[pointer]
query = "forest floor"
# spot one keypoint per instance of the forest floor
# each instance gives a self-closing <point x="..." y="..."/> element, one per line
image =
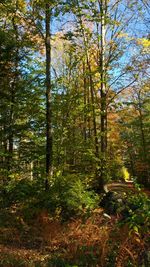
<point x="92" y="240"/>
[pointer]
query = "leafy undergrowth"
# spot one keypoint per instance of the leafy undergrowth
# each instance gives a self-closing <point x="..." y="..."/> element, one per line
<point x="94" y="241"/>
<point x="63" y="227"/>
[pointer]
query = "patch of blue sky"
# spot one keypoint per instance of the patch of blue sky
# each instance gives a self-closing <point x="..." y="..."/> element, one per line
<point x="134" y="27"/>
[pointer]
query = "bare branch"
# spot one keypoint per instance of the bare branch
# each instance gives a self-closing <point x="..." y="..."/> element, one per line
<point x="121" y="90"/>
<point x="122" y="74"/>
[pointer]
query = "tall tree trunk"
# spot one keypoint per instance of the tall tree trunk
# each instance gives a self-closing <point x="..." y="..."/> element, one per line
<point x="103" y="116"/>
<point x="89" y="118"/>
<point x="143" y="143"/>
<point x="13" y="89"/>
<point x="48" y="97"/>
<point x="91" y="84"/>
<point x="85" y="104"/>
<point x="11" y="126"/>
<point x="93" y="109"/>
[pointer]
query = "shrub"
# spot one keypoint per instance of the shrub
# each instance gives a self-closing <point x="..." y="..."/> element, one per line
<point x="138" y="207"/>
<point x="19" y="191"/>
<point x="73" y="197"/>
<point x="139" y="218"/>
<point x="67" y="196"/>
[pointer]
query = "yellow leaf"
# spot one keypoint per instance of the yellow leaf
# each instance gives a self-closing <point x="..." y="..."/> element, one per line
<point x="144" y="42"/>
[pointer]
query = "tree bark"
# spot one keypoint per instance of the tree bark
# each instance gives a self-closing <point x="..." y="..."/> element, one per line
<point x="48" y="97"/>
<point x="13" y="90"/>
<point x="93" y="110"/>
<point x="85" y="104"/>
<point x="91" y="85"/>
<point x="103" y="114"/>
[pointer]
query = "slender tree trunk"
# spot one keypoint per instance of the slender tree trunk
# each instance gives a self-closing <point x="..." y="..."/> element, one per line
<point x="48" y="98"/>
<point x="85" y="104"/>
<point x="143" y="142"/>
<point x="13" y="89"/>
<point x="89" y="118"/>
<point x="91" y="85"/>
<point x="93" y="110"/>
<point x="11" y="127"/>
<point x="5" y="149"/>
<point x="103" y="116"/>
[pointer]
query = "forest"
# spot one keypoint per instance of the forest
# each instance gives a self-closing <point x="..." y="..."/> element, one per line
<point x="74" y="133"/>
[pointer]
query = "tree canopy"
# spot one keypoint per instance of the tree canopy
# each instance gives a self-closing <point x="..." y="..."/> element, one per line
<point x="74" y="89"/>
<point x="75" y="132"/>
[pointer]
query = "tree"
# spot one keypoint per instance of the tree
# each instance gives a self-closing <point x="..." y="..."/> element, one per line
<point x="21" y="95"/>
<point x="108" y="24"/>
<point x="48" y="95"/>
<point x="135" y="132"/>
<point x="76" y="79"/>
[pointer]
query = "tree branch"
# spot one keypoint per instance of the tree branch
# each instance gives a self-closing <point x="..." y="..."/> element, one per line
<point x="121" y="90"/>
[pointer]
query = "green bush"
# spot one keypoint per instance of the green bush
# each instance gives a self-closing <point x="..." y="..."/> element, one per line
<point x="72" y="195"/>
<point x="67" y="196"/>
<point x="18" y="191"/>
<point x="139" y="210"/>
